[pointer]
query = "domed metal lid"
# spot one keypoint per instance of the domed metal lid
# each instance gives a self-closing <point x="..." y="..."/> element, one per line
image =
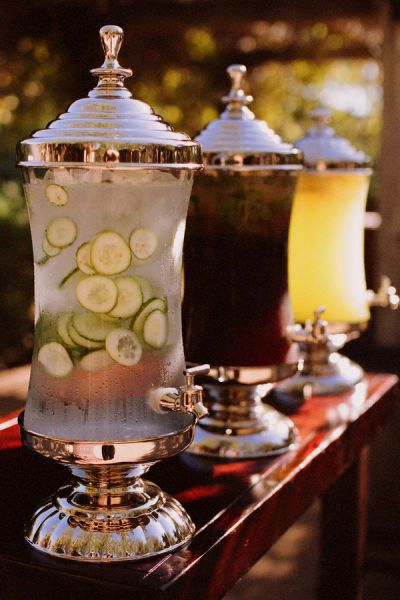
<point x="238" y="138"/>
<point x="109" y="126"/>
<point x="323" y="149"/>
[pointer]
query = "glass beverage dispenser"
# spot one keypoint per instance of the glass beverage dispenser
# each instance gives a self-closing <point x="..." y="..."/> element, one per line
<point x="107" y="186"/>
<point x="235" y="308"/>
<point x="326" y="261"/>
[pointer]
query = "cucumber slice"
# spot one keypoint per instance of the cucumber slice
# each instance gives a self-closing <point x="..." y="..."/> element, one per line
<point x="110" y="254"/>
<point x="80" y="340"/>
<point x="114" y="320"/>
<point x="56" y="194"/>
<point x="147" y="291"/>
<point x="96" y="361"/>
<point x="97" y="293"/>
<point x="155" y="329"/>
<point x="143" y="243"/>
<point x="68" y="277"/>
<point x="62" y="329"/>
<point x="91" y="326"/>
<point x="49" y="249"/>
<point x="83" y="259"/>
<point x="130" y="297"/>
<point x="147" y="308"/>
<point x="61" y="232"/>
<point x="55" y="359"/>
<point x="124" y="347"/>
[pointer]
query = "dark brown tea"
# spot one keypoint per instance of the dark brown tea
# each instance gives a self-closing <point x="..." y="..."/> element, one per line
<point x="236" y="307"/>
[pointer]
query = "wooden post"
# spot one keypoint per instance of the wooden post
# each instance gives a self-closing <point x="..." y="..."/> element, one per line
<point x="388" y="322"/>
<point x="343" y="534"/>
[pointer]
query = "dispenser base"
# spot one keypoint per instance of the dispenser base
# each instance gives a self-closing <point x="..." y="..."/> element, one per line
<point x="132" y="524"/>
<point x="339" y="375"/>
<point x="276" y="434"/>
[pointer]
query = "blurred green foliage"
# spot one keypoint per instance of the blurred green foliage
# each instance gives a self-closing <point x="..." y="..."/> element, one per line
<point x="40" y="75"/>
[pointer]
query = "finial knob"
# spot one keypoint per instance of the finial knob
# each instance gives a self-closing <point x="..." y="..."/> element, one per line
<point x="237" y="74"/>
<point x="236" y="99"/>
<point x="321" y="116"/>
<point x="111" y="39"/>
<point x="111" y="74"/>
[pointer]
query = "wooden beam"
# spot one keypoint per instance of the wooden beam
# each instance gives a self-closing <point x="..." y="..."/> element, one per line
<point x="387" y="321"/>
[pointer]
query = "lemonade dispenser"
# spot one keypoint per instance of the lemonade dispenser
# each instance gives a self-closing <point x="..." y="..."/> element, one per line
<point x="236" y="306"/>
<point x="107" y="186"/>
<point x="327" y="284"/>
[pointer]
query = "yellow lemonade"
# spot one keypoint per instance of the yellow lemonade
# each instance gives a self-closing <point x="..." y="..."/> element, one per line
<point x="326" y="247"/>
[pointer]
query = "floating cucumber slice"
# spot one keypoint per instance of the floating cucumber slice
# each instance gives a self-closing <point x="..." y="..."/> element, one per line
<point x="61" y="232"/>
<point x="49" y="249"/>
<point x="83" y="259"/>
<point x="114" y="320"/>
<point x="55" y="359"/>
<point x="97" y="360"/>
<point x="56" y="194"/>
<point x="62" y="329"/>
<point x="143" y="243"/>
<point x="68" y="277"/>
<point x="130" y="297"/>
<point x="80" y="340"/>
<point x="110" y="254"/>
<point x="155" y="329"/>
<point x="147" y="308"/>
<point x="91" y="326"/>
<point x="147" y="291"/>
<point x="124" y="347"/>
<point x="97" y="293"/>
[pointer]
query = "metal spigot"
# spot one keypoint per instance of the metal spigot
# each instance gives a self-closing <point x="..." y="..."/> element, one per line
<point x="314" y="331"/>
<point x="386" y="296"/>
<point x="189" y="397"/>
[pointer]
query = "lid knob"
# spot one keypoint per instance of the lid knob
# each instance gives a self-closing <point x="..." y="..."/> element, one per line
<point x="111" y="74"/>
<point x="237" y="100"/>
<point x="321" y="116"/>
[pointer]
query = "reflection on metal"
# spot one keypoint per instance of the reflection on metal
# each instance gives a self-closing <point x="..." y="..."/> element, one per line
<point x="239" y="424"/>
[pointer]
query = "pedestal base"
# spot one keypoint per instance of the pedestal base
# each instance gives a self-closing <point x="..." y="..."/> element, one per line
<point x="277" y="434"/>
<point x="106" y="525"/>
<point x="109" y="513"/>
<point x="338" y="375"/>
<point x="239" y="425"/>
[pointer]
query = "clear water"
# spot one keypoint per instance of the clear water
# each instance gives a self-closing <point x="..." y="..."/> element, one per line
<point x="110" y="403"/>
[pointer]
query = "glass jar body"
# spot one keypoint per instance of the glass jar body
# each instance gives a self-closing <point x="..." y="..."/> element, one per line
<point x="107" y="249"/>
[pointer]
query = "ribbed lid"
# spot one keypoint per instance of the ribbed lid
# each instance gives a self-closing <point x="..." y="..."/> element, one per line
<point x="238" y="138"/>
<point x="323" y="149"/>
<point x="109" y="126"/>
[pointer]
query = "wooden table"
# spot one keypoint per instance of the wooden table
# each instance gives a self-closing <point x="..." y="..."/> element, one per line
<point x="240" y="510"/>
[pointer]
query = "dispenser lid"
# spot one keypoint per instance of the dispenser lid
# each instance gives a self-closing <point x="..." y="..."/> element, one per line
<point x="323" y="149"/>
<point x="238" y="138"/>
<point x="110" y="127"/>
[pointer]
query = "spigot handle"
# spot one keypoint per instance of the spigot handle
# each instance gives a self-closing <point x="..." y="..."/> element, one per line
<point x="386" y="296"/>
<point x="319" y="325"/>
<point x="193" y="372"/>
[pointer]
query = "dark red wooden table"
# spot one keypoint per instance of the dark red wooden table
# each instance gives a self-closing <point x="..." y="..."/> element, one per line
<point x="240" y="510"/>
